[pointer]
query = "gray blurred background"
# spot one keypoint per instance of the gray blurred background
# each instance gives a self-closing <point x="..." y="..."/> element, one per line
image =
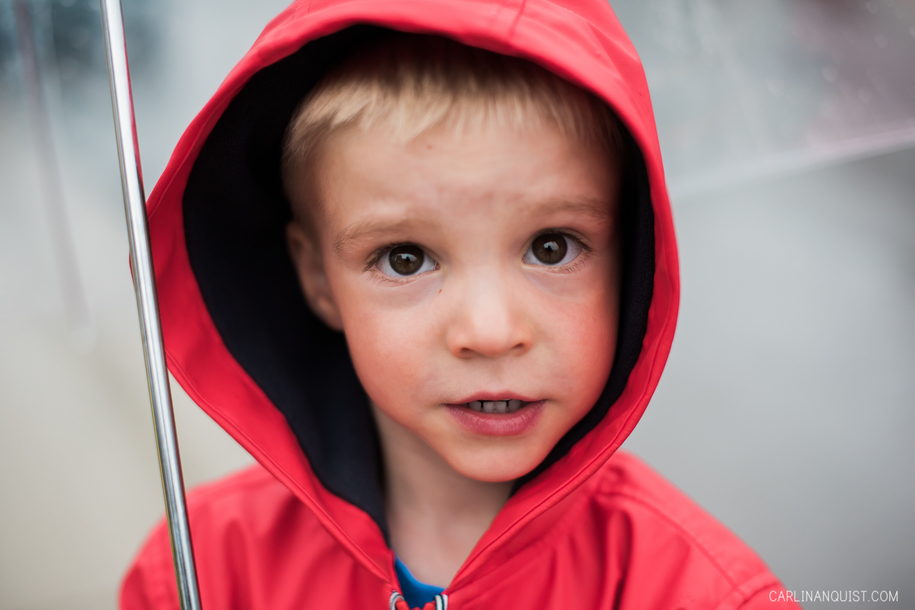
<point x="788" y="405"/>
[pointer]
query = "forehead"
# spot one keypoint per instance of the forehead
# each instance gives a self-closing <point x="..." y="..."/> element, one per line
<point x="460" y="179"/>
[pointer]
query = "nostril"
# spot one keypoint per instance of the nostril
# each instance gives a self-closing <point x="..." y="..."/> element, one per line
<point x="489" y="324"/>
<point x="467" y="347"/>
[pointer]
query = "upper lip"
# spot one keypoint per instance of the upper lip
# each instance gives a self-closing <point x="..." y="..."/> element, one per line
<point x="494" y="396"/>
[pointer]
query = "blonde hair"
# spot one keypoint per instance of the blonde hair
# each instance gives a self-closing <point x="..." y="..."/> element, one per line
<point x="410" y="83"/>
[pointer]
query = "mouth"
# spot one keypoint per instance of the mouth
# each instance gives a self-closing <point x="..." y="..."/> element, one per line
<point x="503" y="417"/>
<point x="508" y="405"/>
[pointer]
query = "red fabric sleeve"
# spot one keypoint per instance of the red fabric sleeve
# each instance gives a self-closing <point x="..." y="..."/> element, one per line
<point x="150" y="581"/>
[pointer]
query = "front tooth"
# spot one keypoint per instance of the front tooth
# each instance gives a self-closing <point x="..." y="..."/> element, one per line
<point x="489" y="406"/>
<point x="513" y="405"/>
<point x="501" y="406"/>
<point x="476" y="405"/>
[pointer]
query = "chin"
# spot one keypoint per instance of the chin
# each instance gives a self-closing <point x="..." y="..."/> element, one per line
<point x="495" y="466"/>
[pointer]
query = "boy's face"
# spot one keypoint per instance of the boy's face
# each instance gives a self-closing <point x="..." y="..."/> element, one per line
<point x="467" y="269"/>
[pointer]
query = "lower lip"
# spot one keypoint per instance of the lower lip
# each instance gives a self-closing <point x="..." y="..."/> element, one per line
<point x="498" y="424"/>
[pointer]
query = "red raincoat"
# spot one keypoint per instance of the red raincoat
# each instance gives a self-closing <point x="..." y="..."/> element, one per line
<point x="590" y="528"/>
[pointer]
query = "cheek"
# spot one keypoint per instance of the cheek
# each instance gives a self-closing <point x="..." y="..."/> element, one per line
<point x="389" y="346"/>
<point x="584" y="340"/>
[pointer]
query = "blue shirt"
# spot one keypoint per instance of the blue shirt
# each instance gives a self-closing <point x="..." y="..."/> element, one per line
<point x="417" y="594"/>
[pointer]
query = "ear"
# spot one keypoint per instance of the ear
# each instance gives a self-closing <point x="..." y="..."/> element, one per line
<point x="306" y="256"/>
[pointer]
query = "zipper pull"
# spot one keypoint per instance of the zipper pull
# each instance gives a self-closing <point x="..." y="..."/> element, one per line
<point x="441" y="601"/>
<point x="395" y="597"/>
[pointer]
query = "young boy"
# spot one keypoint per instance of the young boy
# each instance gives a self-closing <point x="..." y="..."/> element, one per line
<point x="429" y="281"/>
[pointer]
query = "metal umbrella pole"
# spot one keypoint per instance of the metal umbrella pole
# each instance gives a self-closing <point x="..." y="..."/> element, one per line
<point x="145" y="285"/>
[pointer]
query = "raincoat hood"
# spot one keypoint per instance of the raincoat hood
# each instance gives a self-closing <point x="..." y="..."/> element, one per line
<point x="244" y="345"/>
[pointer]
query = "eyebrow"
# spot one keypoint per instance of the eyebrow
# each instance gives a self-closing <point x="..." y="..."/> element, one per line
<point x="599" y="210"/>
<point x="366" y="228"/>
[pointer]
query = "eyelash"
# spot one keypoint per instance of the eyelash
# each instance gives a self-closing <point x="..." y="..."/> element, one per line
<point x="571" y="267"/>
<point x="586" y="250"/>
<point x="375" y="257"/>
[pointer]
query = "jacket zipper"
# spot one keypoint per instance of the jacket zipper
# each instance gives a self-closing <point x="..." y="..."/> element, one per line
<point x="441" y="601"/>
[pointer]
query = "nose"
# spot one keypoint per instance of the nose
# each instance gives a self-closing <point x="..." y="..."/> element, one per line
<point x="488" y="320"/>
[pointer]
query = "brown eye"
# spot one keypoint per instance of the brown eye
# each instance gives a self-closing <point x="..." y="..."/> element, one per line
<point x="405" y="260"/>
<point x="552" y="249"/>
